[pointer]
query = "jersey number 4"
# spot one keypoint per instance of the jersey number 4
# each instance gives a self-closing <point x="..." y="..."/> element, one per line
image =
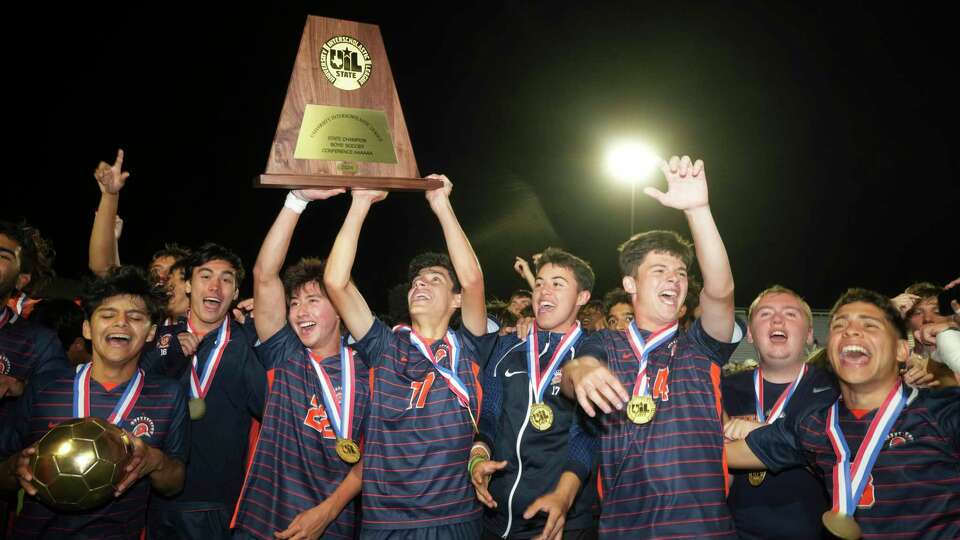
<point x="419" y="391"/>
<point x="661" y="390"/>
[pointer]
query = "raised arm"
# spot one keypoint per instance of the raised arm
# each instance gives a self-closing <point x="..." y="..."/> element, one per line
<point x="473" y="308"/>
<point x="103" y="238"/>
<point x="270" y="304"/>
<point x="687" y="191"/>
<point x="343" y="293"/>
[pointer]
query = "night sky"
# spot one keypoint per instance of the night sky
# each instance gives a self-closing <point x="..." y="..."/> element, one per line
<point x="827" y="132"/>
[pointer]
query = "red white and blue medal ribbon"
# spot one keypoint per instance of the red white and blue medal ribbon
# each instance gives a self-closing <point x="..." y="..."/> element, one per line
<point x="782" y="401"/>
<point x="200" y="384"/>
<point x="340" y="412"/>
<point x="5" y="316"/>
<point x="81" y="395"/>
<point x="540" y="380"/>
<point x="642" y="349"/>
<point x="449" y="375"/>
<point x="21" y="300"/>
<point x="850" y="479"/>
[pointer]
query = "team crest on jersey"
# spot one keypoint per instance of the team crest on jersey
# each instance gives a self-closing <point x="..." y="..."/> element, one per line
<point x="142" y="426"/>
<point x="4" y="364"/>
<point x="557" y="377"/>
<point x="164" y="341"/>
<point x="899" y="437"/>
<point x="441" y="353"/>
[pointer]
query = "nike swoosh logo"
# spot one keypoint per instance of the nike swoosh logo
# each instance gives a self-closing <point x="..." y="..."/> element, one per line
<point x="509" y="373"/>
<point x="819" y="389"/>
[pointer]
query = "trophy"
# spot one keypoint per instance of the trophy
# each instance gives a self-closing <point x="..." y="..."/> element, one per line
<point x="341" y="123"/>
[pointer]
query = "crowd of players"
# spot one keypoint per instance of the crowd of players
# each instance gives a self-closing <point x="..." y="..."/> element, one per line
<point x="301" y="414"/>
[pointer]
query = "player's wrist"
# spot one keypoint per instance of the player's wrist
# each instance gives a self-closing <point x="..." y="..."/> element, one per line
<point x="474" y="461"/>
<point x="295" y="202"/>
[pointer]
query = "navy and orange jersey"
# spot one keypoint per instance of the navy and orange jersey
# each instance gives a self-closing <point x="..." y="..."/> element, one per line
<point x="159" y="418"/>
<point x="787" y="505"/>
<point x="535" y="459"/>
<point x="665" y="478"/>
<point x="418" y="436"/>
<point x="912" y="490"/>
<point x="218" y="449"/>
<point x="295" y="465"/>
<point x="26" y="350"/>
<point x="22" y="304"/>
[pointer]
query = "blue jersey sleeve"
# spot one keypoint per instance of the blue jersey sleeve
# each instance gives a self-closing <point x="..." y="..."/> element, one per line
<point x="779" y="445"/>
<point x="718" y="351"/>
<point x="582" y="447"/>
<point x="254" y="382"/>
<point x="374" y="344"/>
<point x="278" y="348"/>
<point x="49" y="354"/>
<point x="593" y="345"/>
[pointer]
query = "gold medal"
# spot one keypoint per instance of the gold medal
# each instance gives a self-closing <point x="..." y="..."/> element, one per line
<point x="197" y="407"/>
<point x="541" y="416"/>
<point x="641" y="409"/>
<point x="756" y="478"/>
<point x="841" y="525"/>
<point x="348" y="451"/>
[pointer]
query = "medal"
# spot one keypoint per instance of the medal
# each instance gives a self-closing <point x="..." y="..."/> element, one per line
<point x="348" y="451"/>
<point x="81" y="395"/>
<point x="756" y="477"/>
<point x="641" y="408"/>
<point x="197" y="408"/>
<point x="449" y="375"/>
<point x="339" y="412"/>
<point x="841" y="526"/>
<point x="850" y="479"/>
<point x="200" y="384"/>
<point x="541" y="415"/>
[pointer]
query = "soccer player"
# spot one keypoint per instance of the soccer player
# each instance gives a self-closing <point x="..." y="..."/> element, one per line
<point x="618" y="306"/>
<point x="122" y="310"/>
<point x="535" y="467"/>
<point x="789" y="504"/>
<point x="662" y="440"/>
<point x="226" y="385"/>
<point x="301" y="484"/>
<point x="889" y="453"/>
<point x="426" y="393"/>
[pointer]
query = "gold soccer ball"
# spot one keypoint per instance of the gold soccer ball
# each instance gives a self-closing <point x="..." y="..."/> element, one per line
<point x="79" y="462"/>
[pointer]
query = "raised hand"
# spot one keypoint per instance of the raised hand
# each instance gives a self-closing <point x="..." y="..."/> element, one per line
<point x="904" y="303"/>
<point x="368" y="195"/>
<point x="686" y="184"/>
<point x="111" y="178"/>
<point x="318" y="194"/>
<point x="441" y="194"/>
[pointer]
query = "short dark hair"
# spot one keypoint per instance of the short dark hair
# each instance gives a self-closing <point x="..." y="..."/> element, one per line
<point x="36" y="253"/>
<point x="61" y="315"/>
<point x="174" y="250"/>
<point x="614" y="297"/>
<point x="580" y="268"/>
<point x="214" y="252"/>
<point x="521" y="292"/>
<point x="634" y="250"/>
<point x="181" y="264"/>
<point x="870" y="297"/>
<point x="125" y="280"/>
<point x="306" y="270"/>
<point x="428" y="259"/>
<point x="924" y="289"/>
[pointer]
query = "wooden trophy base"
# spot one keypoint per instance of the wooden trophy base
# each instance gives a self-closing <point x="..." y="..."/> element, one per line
<point x="297" y="181"/>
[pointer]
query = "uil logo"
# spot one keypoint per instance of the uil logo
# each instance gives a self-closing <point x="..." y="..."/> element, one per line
<point x="142" y="426"/>
<point x="4" y="364"/>
<point x="345" y="62"/>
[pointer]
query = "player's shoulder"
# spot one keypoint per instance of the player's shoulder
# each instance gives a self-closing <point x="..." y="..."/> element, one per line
<point x="160" y="384"/>
<point x="61" y="376"/>
<point x="939" y="403"/>
<point x="739" y="381"/>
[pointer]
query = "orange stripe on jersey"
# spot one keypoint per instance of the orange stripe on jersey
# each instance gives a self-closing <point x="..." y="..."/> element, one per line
<point x="476" y="384"/>
<point x="715" y="375"/>
<point x="599" y="483"/>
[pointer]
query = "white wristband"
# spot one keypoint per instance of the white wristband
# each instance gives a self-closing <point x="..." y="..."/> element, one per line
<point x="295" y="202"/>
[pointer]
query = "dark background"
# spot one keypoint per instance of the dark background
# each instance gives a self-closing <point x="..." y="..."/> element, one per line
<point x="828" y="132"/>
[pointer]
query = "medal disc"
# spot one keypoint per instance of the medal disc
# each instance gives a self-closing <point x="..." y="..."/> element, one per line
<point x="541" y="416"/>
<point x="348" y="450"/>
<point x="841" y="525"/>
<point x="756" y="478"/>
<point x="641" y="409"/>
<point x="197" y="408"/>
